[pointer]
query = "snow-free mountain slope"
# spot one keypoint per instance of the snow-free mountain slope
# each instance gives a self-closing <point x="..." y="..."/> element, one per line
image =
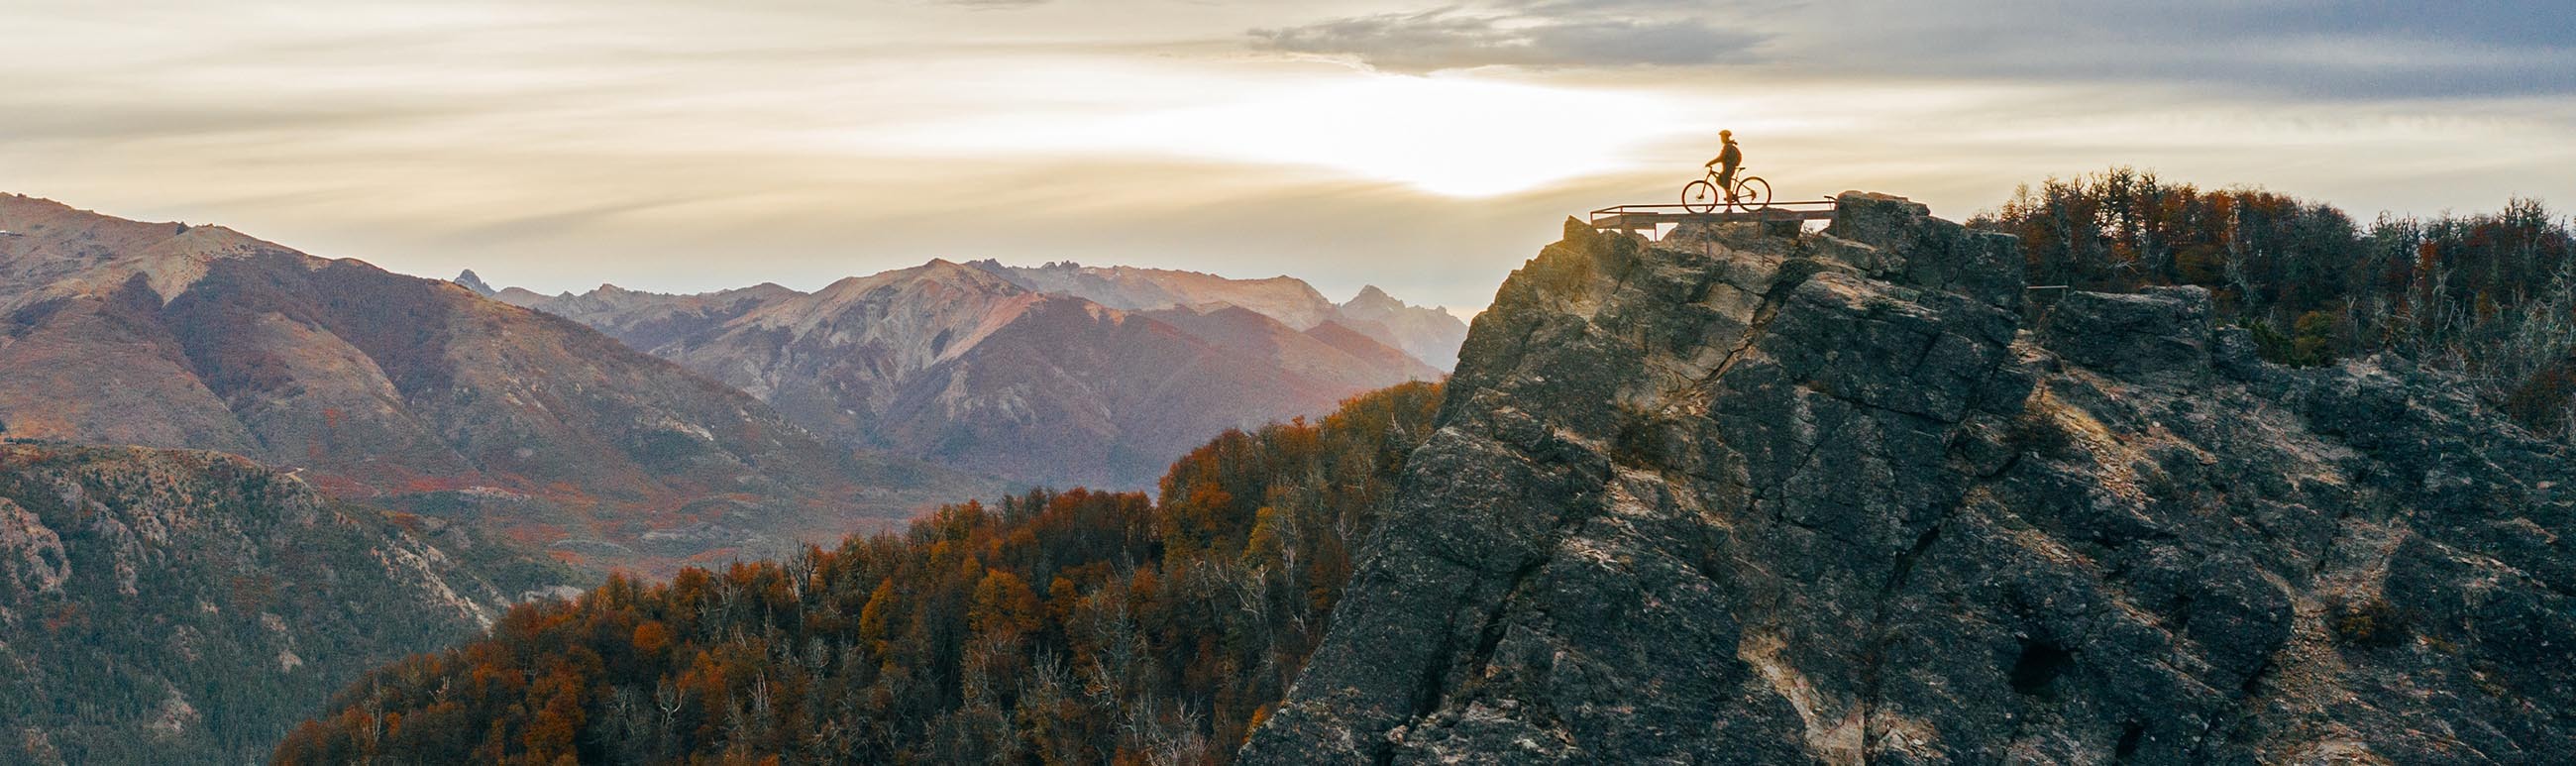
<point x="968" y="367"/>
<point x="414" y="390"/>
<point x="1287" y="299"/>
<point x="1427" y="333"/>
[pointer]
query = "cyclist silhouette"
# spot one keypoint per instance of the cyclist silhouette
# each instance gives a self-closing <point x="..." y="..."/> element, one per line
<point x="1731" y="158"/>
<point x="1726" y="186"/>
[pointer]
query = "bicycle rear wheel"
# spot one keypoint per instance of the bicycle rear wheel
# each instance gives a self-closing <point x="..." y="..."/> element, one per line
<point x="1752" y="193"/>
<point x="1700" y="196"/>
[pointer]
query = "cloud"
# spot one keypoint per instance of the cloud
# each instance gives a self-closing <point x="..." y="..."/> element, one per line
<point x="1546" y="36"/>
<point x="2300" y="48"/>
<point x="2309" y="49"/>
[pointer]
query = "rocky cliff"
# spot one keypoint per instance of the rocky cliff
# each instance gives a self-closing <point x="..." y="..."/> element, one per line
<point x="186" y="607"/>
<point x="1844" y="498"/>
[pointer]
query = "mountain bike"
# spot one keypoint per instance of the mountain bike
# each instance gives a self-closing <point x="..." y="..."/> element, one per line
<point x="1751" y="193"/>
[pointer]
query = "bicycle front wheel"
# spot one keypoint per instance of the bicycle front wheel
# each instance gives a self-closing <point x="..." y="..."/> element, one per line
<point x="1753" y="194"/>
<point x="1700" y="196"/>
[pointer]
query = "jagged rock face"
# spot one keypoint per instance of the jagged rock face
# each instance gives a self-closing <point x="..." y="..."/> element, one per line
<point x="1739" y="498"/>
<point x="179" y="606"/>
<point x="469" y="280"/>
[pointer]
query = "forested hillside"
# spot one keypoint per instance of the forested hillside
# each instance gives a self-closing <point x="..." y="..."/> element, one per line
<point x="2491" y="296"/>
<point x="167" y="606"/>
<point x="1073" y="627"/>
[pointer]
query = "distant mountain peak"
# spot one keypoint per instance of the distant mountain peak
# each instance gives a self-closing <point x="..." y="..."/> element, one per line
<point x="939" y="271"/>
<point x="1133" y="288"/>
<point x="1426" y="332"/>
<point x="1372" y="297"/>
<point x="69" y="251"/>
<point x="469" y="281"/>
<point x="944" y="269"/>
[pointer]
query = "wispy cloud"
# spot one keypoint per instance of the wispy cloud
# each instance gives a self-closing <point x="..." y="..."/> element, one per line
<point x="2308" y="49"/>
<point x="1453" y="38"/>
<point x="2311" y="49"/>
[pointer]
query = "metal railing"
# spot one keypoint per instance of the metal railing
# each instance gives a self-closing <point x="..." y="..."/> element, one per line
<point x="1650" y="216"/>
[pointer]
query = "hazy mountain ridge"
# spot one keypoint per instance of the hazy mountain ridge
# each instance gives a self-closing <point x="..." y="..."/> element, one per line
<point x="414" y="390"/>
<point x="183" y="606"/>
<point x="970" y="366"/>
<point x="649" y="320"/>
<point x="1287" y="299"/>
<point x="1427" y="332"/>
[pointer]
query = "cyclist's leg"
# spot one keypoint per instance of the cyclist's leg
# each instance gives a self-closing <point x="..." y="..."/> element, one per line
<point x="1726" y="184"/>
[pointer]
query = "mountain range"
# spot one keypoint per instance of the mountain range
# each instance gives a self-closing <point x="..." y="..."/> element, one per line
<point x="417" y="393"/>
<point x="1059" y="374"/>
<point x="1745" y="494"/>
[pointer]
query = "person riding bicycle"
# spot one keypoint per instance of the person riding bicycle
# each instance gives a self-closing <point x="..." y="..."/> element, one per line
<point x="1732" y="158"/>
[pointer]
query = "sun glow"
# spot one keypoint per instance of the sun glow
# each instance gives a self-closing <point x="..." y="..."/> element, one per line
<point x="1455" y="136"/>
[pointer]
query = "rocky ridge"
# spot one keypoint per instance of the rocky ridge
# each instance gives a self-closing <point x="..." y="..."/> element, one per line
<point x="1844" y="498"/>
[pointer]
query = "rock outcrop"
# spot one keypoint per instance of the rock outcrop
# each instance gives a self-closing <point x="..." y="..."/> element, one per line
<point x="1843" y="498"/>
<point x="469" y="280"/>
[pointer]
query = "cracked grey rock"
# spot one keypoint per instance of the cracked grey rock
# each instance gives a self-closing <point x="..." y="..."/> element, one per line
<point x="1742" y="498"/>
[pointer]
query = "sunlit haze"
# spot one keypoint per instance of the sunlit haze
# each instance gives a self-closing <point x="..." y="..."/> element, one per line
<point x="1427" y="148"/>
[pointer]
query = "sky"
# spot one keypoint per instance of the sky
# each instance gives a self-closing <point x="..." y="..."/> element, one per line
<point x="1428" y="148"/>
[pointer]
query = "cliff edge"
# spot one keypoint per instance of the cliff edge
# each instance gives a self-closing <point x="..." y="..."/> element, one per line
<point x="1844" y="498"/>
